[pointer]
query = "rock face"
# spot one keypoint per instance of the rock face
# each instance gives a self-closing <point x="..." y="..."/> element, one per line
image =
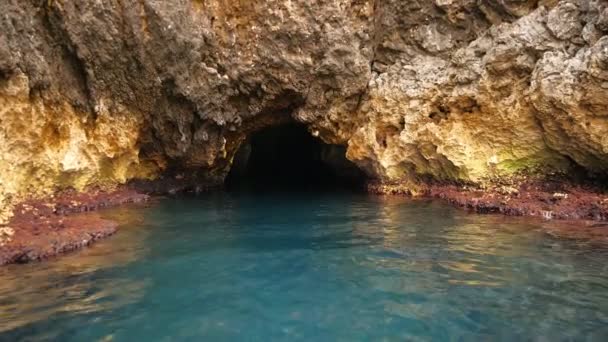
<point x="96" y="93"/>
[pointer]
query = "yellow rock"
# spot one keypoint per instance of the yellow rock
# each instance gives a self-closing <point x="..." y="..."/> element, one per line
<point x="48" y="145"/>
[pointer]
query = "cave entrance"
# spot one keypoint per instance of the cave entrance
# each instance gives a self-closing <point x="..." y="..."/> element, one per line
<point x="289" y="157"/>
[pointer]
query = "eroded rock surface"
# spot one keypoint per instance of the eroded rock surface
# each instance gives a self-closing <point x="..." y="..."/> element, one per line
<point x="525" y="94"/>
<point x="96" y="93"/>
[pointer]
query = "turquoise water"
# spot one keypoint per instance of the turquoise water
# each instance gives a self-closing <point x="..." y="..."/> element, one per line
<point x="315" y="267"/>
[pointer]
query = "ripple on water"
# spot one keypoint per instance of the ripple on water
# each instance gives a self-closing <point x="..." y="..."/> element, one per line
<point x="326" y="267"/>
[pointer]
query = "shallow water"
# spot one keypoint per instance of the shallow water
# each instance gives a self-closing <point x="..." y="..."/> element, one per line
<point x="311" y="266"/>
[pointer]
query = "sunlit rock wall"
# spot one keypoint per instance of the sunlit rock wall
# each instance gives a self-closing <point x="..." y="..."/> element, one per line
<point x="95" y="93"/>
<point x="472" y="90"/>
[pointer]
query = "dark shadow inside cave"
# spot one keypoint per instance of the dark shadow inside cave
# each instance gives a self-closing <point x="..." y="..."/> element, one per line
<point x="288" y="157"/>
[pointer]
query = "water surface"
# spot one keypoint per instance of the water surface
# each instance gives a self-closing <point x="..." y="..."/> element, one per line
<point x="312" y="266"/>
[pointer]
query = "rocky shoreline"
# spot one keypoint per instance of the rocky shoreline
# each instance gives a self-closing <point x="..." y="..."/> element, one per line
<point x="95" y="95"/>
<point x="549" y="199"/>
<point x="43" y="228"/>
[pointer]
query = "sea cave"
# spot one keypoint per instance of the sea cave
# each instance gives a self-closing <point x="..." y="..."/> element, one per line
<point x="290" y="170"/>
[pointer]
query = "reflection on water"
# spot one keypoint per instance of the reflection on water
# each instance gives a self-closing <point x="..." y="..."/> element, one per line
<point x="75" y="283"/>
<point x="314" y="267"/>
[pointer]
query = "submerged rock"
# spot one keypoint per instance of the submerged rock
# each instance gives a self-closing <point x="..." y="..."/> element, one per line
<point x="101" y="93"/>
<point x="41" y="229"/>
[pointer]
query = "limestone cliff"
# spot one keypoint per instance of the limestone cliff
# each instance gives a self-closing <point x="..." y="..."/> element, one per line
<point x="95" y="93"/>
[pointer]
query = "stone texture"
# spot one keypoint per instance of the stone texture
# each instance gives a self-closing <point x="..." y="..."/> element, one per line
<point x="526" y="94"/>
<point x="41" y="229"/>
<point x="95" y="93"/>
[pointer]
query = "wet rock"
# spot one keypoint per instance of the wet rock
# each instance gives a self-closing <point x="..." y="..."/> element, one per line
<point x="40" y="229"/>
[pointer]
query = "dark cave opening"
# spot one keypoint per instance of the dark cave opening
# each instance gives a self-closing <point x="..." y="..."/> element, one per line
<point x="289" y="157"/>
